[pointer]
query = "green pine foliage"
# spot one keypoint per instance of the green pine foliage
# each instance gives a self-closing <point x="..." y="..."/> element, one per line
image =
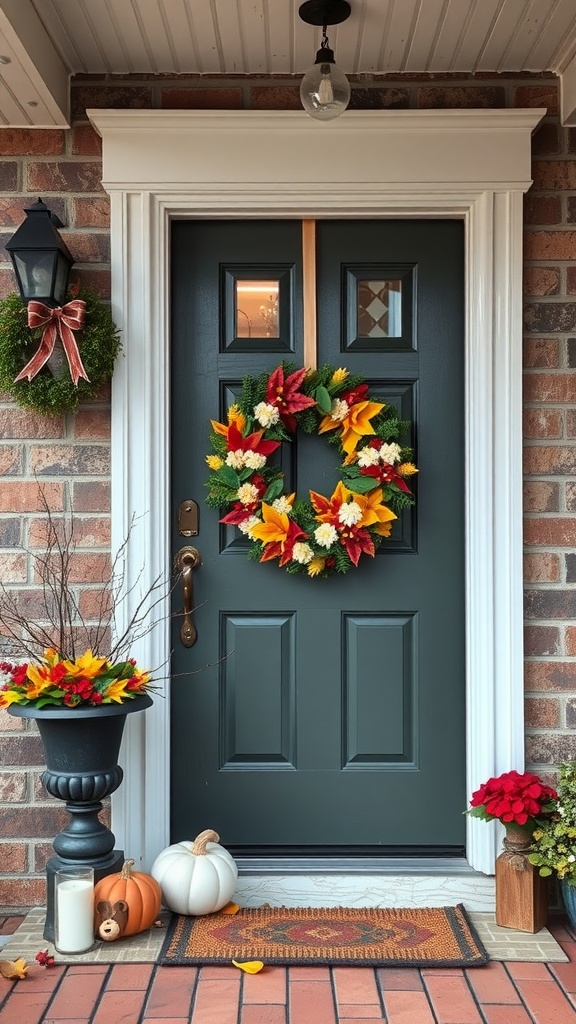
<point x="98" y="344"/>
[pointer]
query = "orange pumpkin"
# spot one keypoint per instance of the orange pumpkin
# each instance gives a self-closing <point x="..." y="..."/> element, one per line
<point x="140" y="891"/>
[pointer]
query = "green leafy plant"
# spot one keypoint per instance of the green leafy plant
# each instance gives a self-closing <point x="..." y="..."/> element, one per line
<point x="98" y="342"/>
<point x="553" y="849"/>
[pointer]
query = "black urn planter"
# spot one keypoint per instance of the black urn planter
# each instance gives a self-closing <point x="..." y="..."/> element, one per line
<point x="81" y="749"/>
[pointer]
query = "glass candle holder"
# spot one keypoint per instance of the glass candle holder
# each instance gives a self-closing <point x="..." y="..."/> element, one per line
<point x="74" y="909"/>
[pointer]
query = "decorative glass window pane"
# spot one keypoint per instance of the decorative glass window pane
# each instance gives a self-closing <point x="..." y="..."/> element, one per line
<point x="379" y="308"/>
<point x="257" y="309"/>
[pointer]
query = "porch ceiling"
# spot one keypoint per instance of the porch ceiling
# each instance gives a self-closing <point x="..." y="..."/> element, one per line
<point x="46" y="41"/>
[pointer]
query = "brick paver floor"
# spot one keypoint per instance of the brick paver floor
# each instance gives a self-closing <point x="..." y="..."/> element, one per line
<point x="499" y="993"/>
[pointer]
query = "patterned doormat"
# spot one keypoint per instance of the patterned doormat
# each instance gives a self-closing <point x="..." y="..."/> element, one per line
<point x="435" y="937"/>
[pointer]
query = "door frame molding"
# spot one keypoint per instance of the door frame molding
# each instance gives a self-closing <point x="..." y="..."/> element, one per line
<point x="473" y="165"/>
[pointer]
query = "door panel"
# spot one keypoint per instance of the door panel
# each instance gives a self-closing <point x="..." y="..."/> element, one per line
<point x="327" y="713"/>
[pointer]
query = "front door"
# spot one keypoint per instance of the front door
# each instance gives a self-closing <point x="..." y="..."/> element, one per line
<point x="323" y="714"/>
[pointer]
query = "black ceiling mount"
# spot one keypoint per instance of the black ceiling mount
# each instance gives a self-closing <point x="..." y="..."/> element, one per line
<point x="324" y="12"/>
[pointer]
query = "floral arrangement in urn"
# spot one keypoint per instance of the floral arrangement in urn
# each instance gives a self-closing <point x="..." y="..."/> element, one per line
<point x="553" y="849"/>
<point x="64" y="658"/>
<point x="514" y="799"/>
<point x="86" y="681"/>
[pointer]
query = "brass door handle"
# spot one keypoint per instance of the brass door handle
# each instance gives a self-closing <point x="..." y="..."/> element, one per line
<point x="187" y="559"/>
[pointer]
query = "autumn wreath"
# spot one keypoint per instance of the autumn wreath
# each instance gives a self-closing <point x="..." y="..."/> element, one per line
<point x="324" y="535"/>
<point x="49" y="385"/>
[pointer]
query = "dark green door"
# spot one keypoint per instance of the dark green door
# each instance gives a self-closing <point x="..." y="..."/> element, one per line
<point x="328" y="712"/>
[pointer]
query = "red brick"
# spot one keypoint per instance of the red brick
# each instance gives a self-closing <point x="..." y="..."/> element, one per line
<point x="308" y="974"/>
<point x="407" y="1008"/>
<point x="310" y="1002"/>
<point x="506" y="1014"/>
<point x="542" y="423"/>
<point x="550" y="245"/>
<point x="12" y="787"/>
<point x="541" y="713"/>
<point x="8" y="176"/>
<point x="549" y="676"/>
<point x="92" y="496"/>
<point x="10" y="724"/>
<point x="565" y="973"/>
<point x="13" y="568"/>
<point x="92" y="424"/>
<point x="541" y="496"/>
<point x="404" y="979"/>
<point x="20" y="750"/>
<point x="13" y="858"/>
<point x="460" y="96"/>
<point x="12" y="208"/>
<point x="65" y="460"/>
<point x="216" y="1001"/>
<point x="88" y="248"/>
<point x="26" y="1007"/>
<point x="541" y="352"/>
<point x="10" y="460"/>
<point x="550" y="603"/>
<point x="550" y="532"/>
<point x="65" y="176"/>
<point x="545" y="1001"/>
<point x="202" y="99"/>
<point x="95" y="212"/>
<point x="571" y="281"/>
<point x="355" y="985"/>
<point x="23" y="423"/>
<point x="550" y="387"/>
<point x="554" y="175"/>
<point x="86" y="141"/>
<point x="31" y="142"/>
<point x="546" y="139"/>
<point x="541" y="280"/>
<point x="276" y="97"/>
<point x="86" y="532"/>
<point x="22" y="892"/>
<point x="542" y="209"/>
<point x="119" y="1007"/>
<point x="270" y="986"/>
<point x="541" y="640"/>
<point x="492" y="984"/>
<point x="129" y="976"/>
<point x="78" y="992"/>
<point x="94" y="605"/>
<point x="267" y="1014"/>
<point x="537" y="96"/>
<point x="550" y="460"/>
<point x="34" y="822"/>
<point x="571" y="640"/>
<point x="27" y="497"/>
<point x="41" y="855"/>
<point x="451" y="999"/>
<point x="120" y="97"/>
<point x="169" y="999"/>
<point x="97" y="281"/>
<point x="546" y="317"/>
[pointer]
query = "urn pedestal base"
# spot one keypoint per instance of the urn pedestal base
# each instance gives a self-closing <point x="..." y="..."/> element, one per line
<point x="521" y="893"/>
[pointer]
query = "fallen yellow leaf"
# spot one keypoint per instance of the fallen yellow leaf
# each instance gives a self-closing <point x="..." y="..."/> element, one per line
<point x="249" y="966"/>
<point x="230" y="908"/>
<point x="13" y="968"/>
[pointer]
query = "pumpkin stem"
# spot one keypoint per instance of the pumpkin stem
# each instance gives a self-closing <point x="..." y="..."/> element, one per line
<point x="199" y="844"/>
<point x="127" y="869"/>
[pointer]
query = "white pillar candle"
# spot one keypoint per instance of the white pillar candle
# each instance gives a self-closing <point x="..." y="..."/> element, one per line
<point x="74" y="931"/>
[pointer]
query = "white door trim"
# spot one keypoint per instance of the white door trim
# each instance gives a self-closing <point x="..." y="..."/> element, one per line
<point x="471" y="164"/>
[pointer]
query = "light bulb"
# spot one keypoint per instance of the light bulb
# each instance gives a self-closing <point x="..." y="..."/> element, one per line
<point x="324" y="89"/>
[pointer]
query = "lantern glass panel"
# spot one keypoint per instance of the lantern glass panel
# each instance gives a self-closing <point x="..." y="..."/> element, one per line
<point x="35" y="270"/>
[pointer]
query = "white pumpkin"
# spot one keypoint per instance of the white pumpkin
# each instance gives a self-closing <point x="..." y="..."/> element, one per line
<point x="196" y="878"/>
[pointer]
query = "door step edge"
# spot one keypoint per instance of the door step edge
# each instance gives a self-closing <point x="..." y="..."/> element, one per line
<point x="383" y="888"/>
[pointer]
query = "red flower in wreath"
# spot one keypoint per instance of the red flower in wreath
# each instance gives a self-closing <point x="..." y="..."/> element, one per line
<point x="283" y="393"/>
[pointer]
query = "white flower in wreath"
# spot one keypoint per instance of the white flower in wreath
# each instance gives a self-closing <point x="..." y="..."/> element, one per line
<point x="236" y="459"/>
<point x="246" y="525"/>
<point x="350" y="513"/>
<point x="326" y="535"/>
<point x="390" y="453"/>
<point x="368" y="456"/>
<point x="302" y="553"/>
<point x="339" y="410"/>
<point x="267" y="415"/>
<point x="254" y="460"/>
<point x="282" y="504"/>
<point x="247" y="494"/>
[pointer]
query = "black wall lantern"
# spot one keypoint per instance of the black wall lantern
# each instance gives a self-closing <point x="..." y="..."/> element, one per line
<point x="42" y="262"/>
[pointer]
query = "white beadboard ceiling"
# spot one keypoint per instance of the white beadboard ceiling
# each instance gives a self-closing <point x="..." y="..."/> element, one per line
<point x="47" y="41"/>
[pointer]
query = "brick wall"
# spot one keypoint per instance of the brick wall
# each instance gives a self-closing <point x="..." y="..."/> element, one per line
<point x="70" y="456"/>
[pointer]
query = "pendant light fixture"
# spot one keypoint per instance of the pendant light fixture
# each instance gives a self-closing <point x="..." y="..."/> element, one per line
<point x="324" y="90"/>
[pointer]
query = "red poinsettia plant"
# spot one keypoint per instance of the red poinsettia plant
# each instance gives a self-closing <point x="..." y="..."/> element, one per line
<point x="522" y="799"/>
